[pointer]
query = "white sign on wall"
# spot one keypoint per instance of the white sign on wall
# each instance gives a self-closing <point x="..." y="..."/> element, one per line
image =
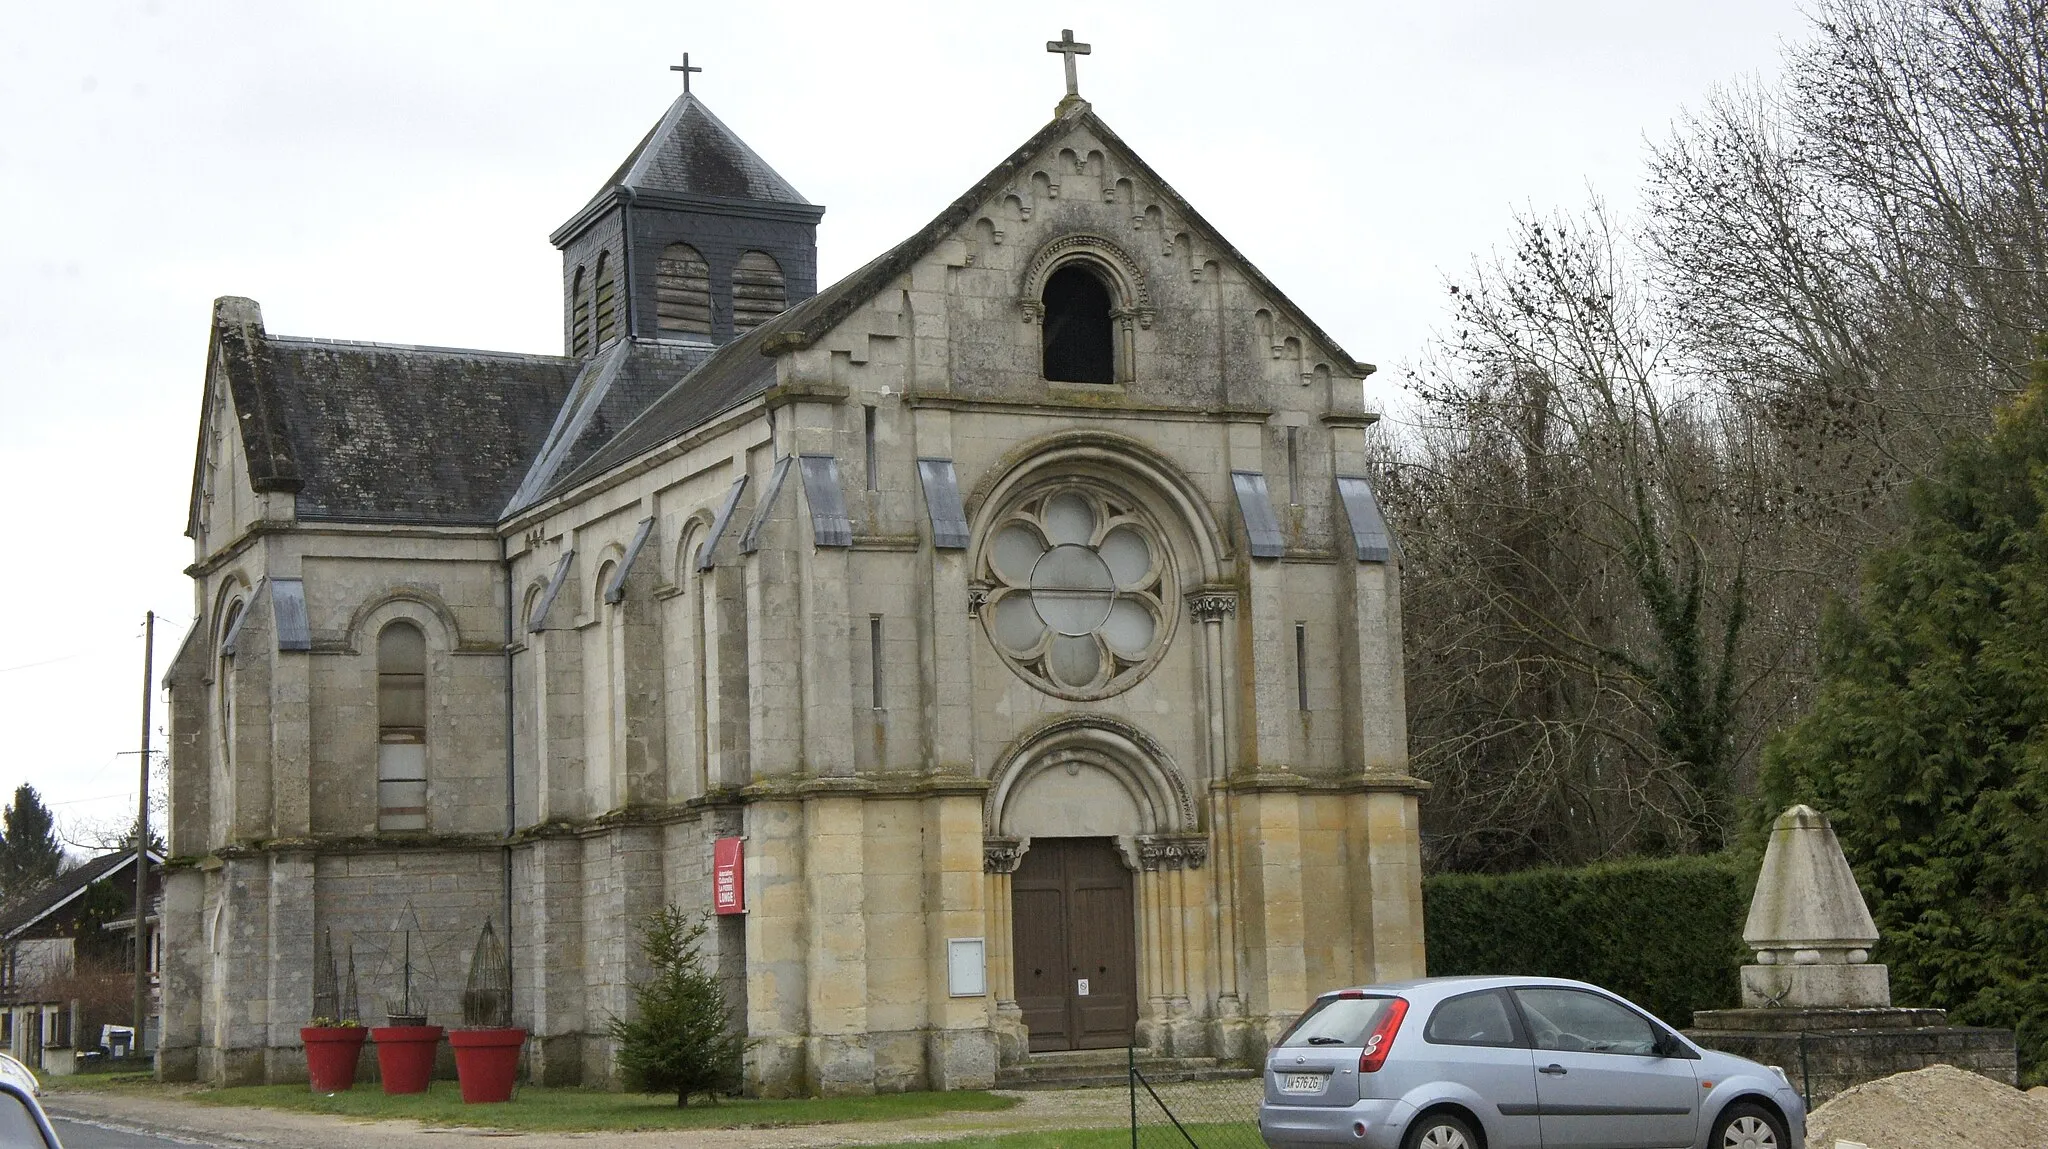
<point x="966" y="967"/>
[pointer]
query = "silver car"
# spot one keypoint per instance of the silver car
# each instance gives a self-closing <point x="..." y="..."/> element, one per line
<point x="1512" y="1063"/>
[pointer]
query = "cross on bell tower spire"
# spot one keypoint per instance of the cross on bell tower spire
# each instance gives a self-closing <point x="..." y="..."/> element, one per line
<point x="1066" y="46"/>
<point x="685" y="69"/>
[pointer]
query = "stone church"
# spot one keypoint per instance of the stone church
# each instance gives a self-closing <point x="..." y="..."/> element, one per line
<point x="1016" y="610"/>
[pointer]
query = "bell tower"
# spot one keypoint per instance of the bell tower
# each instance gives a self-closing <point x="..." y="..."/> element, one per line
<point x="694" y="239"/>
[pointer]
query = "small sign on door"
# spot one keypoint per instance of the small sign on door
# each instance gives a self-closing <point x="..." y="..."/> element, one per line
<point x="1081" y="987"/>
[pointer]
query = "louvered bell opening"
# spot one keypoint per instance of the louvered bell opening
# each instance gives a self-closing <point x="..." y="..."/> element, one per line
<point x="757" y="291"/>
<point x="579" y="316"/>
<point x="607" y="311"/>
<point x="682" y="291"/>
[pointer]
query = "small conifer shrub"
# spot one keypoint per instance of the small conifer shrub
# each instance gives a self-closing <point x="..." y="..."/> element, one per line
<point x="681" y="1040"/>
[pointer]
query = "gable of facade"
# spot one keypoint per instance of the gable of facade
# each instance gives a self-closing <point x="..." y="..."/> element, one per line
<point x="1028" y="574"/>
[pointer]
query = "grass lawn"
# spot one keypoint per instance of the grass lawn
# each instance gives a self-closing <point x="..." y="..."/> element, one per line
<point x="540" y="1109"/>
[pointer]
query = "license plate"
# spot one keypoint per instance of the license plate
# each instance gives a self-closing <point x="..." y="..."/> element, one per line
<point x="1303" y="1082"/>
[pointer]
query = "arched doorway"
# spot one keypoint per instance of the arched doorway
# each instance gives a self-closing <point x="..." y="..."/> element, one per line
<point x="1070" y="813"/>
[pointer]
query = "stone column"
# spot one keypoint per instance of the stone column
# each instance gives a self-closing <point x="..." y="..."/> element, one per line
<point x="1000" y="857"/>
<point x="1166" y="860"/>
<point x="1213" y="609"/>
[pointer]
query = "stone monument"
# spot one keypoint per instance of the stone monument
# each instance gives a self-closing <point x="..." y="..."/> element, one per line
<point x="1808" y="925"/>
<point x="1813" y="1003"/>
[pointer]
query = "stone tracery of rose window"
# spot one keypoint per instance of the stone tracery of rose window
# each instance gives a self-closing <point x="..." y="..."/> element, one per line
<point x="1074" y="603"/>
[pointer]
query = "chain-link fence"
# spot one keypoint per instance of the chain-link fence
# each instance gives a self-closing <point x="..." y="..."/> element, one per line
<point x="1195" y="1114"/>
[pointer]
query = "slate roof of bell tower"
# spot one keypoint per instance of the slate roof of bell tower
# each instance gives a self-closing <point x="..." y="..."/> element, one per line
<point x="692" y="152"/>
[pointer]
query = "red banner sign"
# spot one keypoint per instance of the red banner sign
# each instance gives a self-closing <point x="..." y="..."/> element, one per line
<point x="728" y="876"/>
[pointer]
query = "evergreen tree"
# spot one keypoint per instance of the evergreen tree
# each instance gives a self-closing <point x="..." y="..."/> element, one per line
<point x="30" y="851"/>
<point x="1928" y="743"/>
<point x="682" y="1040"/>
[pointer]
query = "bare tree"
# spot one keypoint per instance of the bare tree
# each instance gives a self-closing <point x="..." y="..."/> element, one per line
<point x="1578" y="589"/>
<point x="1646" y="461"/>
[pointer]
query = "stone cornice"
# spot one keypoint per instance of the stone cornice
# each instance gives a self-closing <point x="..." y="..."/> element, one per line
<point x="1072" y="403"/>
<point x="1269" y="781"/>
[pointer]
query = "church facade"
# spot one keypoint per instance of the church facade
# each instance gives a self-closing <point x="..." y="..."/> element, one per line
<point x="1014" y="614"/>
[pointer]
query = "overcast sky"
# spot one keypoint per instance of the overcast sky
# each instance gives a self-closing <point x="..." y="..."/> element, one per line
<point x="391" y="171"/>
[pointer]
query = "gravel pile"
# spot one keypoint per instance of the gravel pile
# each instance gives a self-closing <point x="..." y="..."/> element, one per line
<point x="1940" y="1107"/>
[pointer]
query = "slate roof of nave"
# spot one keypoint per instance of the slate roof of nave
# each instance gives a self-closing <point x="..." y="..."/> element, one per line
<point x="378" y="432"/>
<point x="614" y="386"/>
<point x="691" y="152"/>
<point x="740" y="370"/>
<point x="414" y="433"/>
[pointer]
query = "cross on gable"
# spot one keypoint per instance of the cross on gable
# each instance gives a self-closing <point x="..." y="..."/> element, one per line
<point x="1066" y="46"/>
<point x="685" y="69"/>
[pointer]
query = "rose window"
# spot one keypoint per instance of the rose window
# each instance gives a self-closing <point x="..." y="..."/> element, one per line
<point x="1075" y="600"/>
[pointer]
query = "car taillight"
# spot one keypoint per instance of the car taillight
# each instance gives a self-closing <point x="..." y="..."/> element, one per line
<point x="1382" y="1038"/>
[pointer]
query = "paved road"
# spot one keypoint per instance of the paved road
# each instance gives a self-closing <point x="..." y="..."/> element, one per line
<point x="81" y="1134"/>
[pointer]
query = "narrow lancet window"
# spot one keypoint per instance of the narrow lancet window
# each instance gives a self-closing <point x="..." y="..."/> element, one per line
<point x="1079" y="338"/>
<point x="401" y="728"/>
<point x="758" y="294"/>
<point x="682" y="292"/>
<point x="1301" y="665"/>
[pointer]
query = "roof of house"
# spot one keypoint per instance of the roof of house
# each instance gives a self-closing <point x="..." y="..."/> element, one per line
<point x="62" y="889"/>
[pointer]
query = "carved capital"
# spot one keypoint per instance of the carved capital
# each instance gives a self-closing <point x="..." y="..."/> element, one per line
<point x="1173" y="852"/>
<point x="1210" y="606"/>
<point x="977" y="597"/>
<point x="1033" y="309"/>
<point x="1001" y="855"/>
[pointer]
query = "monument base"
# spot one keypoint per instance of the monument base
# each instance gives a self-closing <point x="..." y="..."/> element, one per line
<point x="1832" y="985"/>
<point x="1824" y="1051"/>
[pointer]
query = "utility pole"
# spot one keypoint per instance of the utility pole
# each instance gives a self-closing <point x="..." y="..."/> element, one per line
<point x="142" y="843"/>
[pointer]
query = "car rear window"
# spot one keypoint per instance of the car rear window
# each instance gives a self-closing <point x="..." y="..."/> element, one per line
<point x="1336" y="1021"/>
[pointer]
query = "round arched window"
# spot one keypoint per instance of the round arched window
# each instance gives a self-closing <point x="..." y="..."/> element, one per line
<point x="1076" y="576"/>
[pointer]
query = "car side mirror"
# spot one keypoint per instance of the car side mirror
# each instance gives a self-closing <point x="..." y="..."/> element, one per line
<point x="22" y="1124"/>
<point x="1666" y="1045"/>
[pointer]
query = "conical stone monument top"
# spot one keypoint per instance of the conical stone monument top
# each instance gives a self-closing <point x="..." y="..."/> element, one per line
<point x="1809" y="926"/>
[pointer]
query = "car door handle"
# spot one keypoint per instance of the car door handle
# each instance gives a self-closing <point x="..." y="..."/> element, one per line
<point x="1554" y="1069"/>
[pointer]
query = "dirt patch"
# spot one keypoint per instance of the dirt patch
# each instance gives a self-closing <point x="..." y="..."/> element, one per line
<point x="1940" y="1107"/>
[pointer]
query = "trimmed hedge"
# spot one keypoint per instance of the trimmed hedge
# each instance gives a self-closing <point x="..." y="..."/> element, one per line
<point x="1665" y="933"/>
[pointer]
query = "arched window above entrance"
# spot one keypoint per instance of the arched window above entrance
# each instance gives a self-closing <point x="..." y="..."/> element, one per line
<point x="1078" y="336"/>
<point x="1089" y="298"/>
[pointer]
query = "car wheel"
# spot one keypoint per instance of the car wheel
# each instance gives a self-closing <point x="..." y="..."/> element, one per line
<point x="1440" y="1131"/>
<point x="1746" y="1126"/>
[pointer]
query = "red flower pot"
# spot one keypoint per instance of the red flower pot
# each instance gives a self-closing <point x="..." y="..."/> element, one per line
<point x="486" y="1060"/>
<point x="405" y="1056"/>
<point x="331" y="1054"/>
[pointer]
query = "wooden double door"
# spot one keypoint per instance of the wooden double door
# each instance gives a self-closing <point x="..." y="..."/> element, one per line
<point x="1075" y="944"/>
